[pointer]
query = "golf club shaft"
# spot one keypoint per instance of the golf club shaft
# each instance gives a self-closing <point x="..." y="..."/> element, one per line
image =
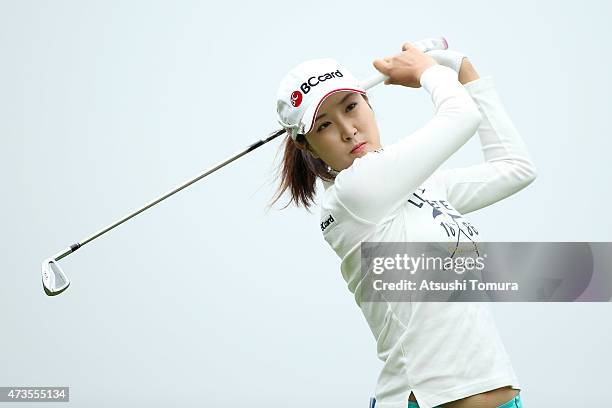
<point x="186" y="184"/>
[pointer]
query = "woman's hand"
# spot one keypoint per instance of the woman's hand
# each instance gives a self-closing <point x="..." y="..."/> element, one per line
<point x="405" y="68"/>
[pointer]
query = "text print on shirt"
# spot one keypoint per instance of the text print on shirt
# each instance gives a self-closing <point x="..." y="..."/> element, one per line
<point x="442" y="208"/>
<point x="448" y="220"/>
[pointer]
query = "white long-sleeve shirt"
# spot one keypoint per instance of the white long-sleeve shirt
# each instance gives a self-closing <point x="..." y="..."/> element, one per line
<point x="440" y="351"/>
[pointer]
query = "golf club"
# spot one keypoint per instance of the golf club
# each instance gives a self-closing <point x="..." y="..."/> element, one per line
<point x="55" y="280"/>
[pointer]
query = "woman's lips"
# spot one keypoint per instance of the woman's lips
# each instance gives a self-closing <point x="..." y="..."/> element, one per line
<point x="359" y="148"/>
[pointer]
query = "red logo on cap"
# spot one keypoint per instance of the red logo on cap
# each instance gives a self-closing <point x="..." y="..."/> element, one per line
<point x="296" y="98"/>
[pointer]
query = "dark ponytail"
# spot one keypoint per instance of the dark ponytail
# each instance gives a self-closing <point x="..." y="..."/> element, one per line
<point x="298" y="172"/>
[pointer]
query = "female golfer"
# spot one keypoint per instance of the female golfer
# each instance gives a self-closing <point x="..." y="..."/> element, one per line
<point x="435" y="353"/>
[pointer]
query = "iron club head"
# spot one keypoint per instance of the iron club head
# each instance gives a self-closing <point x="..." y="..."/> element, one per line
<point x="54" y="279"/>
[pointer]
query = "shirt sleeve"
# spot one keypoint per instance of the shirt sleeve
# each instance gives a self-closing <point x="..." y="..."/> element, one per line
<point x="507" y="167"/>
<point x="375" y="184"/>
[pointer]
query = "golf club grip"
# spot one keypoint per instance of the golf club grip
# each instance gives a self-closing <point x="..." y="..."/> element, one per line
<point x="374" y="80"/>
<point x="427" y="44"/>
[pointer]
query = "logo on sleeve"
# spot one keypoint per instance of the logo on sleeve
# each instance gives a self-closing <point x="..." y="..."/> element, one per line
<point x="325" y="224"/>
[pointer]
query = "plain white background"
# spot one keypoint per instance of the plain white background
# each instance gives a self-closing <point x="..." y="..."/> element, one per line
<point x="209" y="300"/>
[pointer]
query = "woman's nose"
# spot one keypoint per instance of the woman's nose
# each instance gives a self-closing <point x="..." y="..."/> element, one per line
<point x="348" y="131"/>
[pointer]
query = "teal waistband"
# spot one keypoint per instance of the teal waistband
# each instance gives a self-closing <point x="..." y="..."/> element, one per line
<point x="513" y="403"/>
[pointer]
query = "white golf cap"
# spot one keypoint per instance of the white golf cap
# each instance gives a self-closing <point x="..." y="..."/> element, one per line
<point x="305" y="87"/>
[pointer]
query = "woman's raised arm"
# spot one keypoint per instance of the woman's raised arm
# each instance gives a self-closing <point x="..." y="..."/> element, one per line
<point x="508" y="167"/>
<point x="375" y="184"/>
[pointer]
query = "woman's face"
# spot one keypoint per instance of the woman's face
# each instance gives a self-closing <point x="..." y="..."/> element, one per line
<point x="343" y="123"/>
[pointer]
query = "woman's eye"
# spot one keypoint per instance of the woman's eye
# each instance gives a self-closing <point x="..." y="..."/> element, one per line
<point x="349" y="108"/>
<point x="322" y="126"/>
